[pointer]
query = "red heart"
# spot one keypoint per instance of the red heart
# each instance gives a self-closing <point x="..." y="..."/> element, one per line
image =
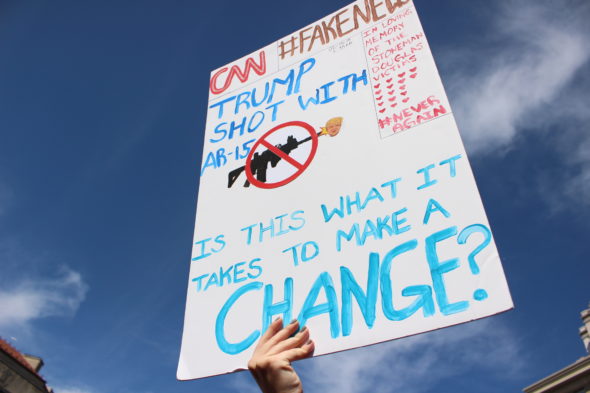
<point x="389" y="80"/>
<point x="380" y="97"/>
<point x="392" y="98"/>
<point x="378" y="92"/>
<point x="413" y="75"/>
<point x="393" y="105"/>
<point x="380" y="103"/>
<point x="382" y="110"/>
<point x="402" y="87"/>
<point x="390" y="92"/>
<point x="413" y="69"/>
<point x="376" y="79"/>
<point x="401" y="80"/>
<point x="377" y="85"/>
<point x="403" y="93"/>
<point x="406" y="100"/>
<point x="401" y="75"/>
<point x="390" y="86"/>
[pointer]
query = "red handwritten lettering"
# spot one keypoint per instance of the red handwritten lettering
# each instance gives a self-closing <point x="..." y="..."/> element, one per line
<point x="235" y="71"/>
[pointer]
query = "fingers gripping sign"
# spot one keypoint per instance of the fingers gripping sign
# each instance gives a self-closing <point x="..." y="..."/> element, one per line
<point x="271" y="362"/>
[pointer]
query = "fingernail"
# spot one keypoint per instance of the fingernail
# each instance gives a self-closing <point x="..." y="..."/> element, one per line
<point x="277" y="319"/>
<point x="293" y="321"/>
<point x="303" y="329"/>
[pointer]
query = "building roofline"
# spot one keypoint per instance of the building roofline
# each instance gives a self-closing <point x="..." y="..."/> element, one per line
<point x="579" y="367"/>
<point x="17" y="356"/>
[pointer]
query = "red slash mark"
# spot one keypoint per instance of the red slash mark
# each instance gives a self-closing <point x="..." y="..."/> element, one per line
<point x="298" y="165"/>
<point x="282" y="154"/>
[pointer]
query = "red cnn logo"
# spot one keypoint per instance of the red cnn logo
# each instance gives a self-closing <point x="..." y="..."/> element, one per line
<point x="234" y="71"/>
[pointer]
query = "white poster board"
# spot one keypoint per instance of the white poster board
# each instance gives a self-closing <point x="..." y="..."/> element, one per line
<point x="335" y="189"/>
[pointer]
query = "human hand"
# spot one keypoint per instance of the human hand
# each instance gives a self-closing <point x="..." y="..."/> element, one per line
<point x="271" y="362"/>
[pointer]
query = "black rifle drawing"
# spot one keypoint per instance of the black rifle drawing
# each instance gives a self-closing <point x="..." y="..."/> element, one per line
<point x="260" y="161"/>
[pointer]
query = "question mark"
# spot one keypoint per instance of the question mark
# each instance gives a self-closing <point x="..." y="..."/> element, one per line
<point x="479" y="294"/>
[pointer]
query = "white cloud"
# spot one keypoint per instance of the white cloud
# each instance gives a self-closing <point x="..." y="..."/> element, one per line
<point x="530" y="74"/>
<point x="579" y="184"/>
<point x="72" y="390"/>
<point x="415" y="364"/>
<point x="44" y="297"/>
<point x="538" y="47"/>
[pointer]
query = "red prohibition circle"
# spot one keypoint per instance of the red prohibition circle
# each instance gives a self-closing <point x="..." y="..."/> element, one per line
<point x="300" y="166"/>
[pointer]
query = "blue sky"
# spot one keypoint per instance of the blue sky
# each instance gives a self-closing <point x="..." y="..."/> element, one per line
<point x="102" y="107"/>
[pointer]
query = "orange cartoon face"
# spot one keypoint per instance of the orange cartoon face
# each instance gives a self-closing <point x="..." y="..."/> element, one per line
<point x="333" y="126"/>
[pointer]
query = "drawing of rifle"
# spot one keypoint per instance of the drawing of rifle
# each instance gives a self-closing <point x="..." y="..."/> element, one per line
<point x="260" y="161"/>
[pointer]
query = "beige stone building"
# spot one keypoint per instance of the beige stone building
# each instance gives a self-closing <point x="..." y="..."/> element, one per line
<point x="19" y="373"/>
<point x="575" y="378"/>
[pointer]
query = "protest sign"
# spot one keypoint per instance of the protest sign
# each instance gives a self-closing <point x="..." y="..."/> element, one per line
<point x="335" y="189"/>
